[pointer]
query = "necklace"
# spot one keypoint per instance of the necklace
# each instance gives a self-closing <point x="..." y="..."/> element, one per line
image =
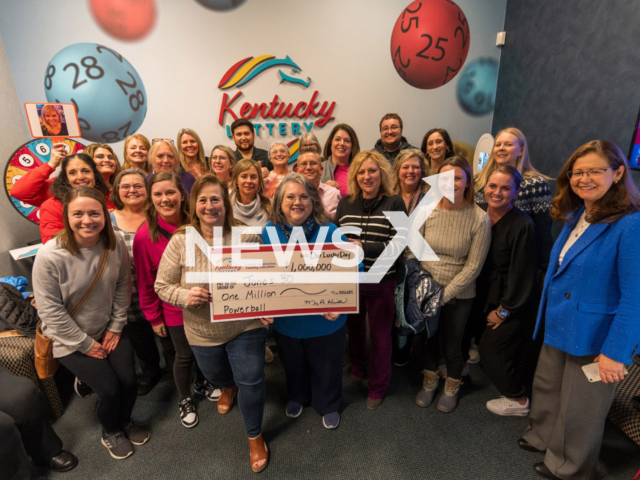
<point x="581" y="226"/>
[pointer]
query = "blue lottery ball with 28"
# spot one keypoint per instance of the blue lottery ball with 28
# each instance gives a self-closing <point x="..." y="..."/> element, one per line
<point x="477" y="86"/>
<point x="108" y="92"/>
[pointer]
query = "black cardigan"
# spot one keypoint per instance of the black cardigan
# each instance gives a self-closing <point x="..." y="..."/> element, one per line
<point x="377" y="230"/>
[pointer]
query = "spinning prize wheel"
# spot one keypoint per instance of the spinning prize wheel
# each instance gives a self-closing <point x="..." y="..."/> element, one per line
<point x="29" y="156"/>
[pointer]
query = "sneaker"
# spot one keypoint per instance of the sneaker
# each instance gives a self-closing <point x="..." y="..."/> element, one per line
<point x="424" y="398"/>
<point x="448" y="401"/>
<point x="269" y="357"/>
<point x="135" y="433"/>
<point x="331" y="420"/>
<point x="508" y="407"/>
<point x="474" y="355"/>
<point x="119" y="446"/>
<point x="293" y="409"/>
<point x="82" y="389"/>
<point x="188" y="414"/>
<point x="208" y="390"/>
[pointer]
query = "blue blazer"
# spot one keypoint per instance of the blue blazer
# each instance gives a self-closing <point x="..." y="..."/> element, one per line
<point x="591" y="303"/>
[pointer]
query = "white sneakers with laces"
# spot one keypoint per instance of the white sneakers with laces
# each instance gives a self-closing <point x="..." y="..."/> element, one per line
<point x="508" y="407"/>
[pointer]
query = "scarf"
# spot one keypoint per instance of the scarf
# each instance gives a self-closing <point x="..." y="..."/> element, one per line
<point x="308" y="228"/>
<point x="252" y="214"/>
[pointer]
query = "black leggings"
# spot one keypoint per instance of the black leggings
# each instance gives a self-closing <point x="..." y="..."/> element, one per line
<point x="182" y="367"/>
<point x="113" y="379"/>
<point x="448" y="338"/>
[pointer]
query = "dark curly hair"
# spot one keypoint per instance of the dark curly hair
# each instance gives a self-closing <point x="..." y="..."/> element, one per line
<point x="61" y="185"/>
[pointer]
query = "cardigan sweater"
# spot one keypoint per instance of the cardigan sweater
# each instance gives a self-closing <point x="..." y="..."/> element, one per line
<point x="146" y="257"/>
<point x="60" y="280"/>
<point x="377" y="230"/>
<point x="533" y="199"/>
<point x="172" y="287"/>
<point x="508" y="277"/>
<point x="312" y="325"/>
<point x="460" y="239"/>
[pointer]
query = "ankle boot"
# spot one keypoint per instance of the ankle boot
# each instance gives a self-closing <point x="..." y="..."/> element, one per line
<point x="449" y="399"/>
<point x="425" y="396"/>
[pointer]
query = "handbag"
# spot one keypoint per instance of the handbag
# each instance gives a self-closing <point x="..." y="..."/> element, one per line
<point x="46" y="365"/>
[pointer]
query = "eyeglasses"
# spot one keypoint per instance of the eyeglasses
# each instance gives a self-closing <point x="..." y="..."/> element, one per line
<point x="137" y="187"/>
<point x="279" y="151"/>
<point x="219" y="157"/>
<point x="393" y="128"/>
<point x="308" y="164"/>
<point x="593" y="173"/>
<point x="162" y="139"/>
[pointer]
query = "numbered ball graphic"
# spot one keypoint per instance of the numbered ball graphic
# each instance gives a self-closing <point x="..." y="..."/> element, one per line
<point x="30" y="156"/>
<point x="107" y="91"/>
<point x="125" y="19"/>
<point x="476" y="89"/>
<point x="221" y="5"/>
<point x="429" y="43"/>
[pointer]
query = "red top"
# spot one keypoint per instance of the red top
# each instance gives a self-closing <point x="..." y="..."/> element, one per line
<point x="34" y="187"/>
<point x="146" y="257"/>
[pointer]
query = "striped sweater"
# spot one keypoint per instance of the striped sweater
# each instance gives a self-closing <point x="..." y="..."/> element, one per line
<point x="377" y="231"/>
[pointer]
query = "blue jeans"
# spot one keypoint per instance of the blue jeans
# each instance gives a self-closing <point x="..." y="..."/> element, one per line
<point x="239" y="362"/>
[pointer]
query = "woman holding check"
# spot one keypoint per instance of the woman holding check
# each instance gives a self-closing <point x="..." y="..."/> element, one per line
<point x="230" y="354"/>
<point x="589" y="310"/>
<point x="310" y="346"/>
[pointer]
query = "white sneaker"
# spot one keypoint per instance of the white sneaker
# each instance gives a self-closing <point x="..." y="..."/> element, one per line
<point x="508" y="407"/>
<point x="188" y="414"/>
<point x="474" y="355"/>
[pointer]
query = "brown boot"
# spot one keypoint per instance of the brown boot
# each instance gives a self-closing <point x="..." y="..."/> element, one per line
<point x="258" y="451"/>
<point x="424" y="398"/>
<point x="226" y="399"/>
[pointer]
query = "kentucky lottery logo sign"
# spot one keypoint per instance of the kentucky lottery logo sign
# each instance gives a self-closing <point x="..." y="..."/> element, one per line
<point x="311" y="113"/>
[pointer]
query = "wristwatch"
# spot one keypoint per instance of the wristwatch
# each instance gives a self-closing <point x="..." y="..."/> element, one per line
<point x="503" y="312"/>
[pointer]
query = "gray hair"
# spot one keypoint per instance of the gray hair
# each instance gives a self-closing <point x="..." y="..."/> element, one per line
<point x="317" y="210"/>
<point x="279" y="143"/>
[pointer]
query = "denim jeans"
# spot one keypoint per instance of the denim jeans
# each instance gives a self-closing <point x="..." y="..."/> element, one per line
<point x="239" y="362"/>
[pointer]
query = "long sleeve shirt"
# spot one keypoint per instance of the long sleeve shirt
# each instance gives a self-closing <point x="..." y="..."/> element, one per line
<point x="460" y="239"/>
<point x="60" y="280"/>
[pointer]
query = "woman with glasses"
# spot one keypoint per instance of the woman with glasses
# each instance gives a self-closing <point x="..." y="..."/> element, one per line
<point x="164" y="157"/>
<point x="129" y="197"/>
<point x="589" y="310"/>
<point x="221" y="162"/>
<point x="191" y="152"/>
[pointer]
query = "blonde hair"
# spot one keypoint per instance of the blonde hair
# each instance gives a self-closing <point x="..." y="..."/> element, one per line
<point x="154" y="148"/>
<point x="385" y="174"/>
<point x="48" y="109"/>
<point x="144" y="141"/>
<point x="183" y="158"/>
<point x="402" y="157"/>
<point x="523" y="163"/>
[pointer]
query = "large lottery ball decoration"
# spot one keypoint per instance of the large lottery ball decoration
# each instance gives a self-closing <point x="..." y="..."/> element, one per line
<point x="125" y="19"/>
<point x="107" y="91"/>
<point x="221" y="5"/>
<point x="27" y="157"/>
<point x="476" y="90"/>
<point x="429" y="43"/>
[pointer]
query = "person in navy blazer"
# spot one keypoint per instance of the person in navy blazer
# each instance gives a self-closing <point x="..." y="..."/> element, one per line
<point x="589" y="312"/>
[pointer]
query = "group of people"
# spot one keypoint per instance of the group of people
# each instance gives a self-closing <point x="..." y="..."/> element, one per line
<point x="124" y="227"/>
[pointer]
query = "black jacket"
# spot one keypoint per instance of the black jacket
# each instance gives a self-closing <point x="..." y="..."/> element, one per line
<point x="391" y="156"/>
<point x="418" y="300"/>
<point x="16" y="313"/>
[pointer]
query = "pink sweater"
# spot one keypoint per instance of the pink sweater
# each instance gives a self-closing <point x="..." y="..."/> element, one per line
<point x="146" y="257"/>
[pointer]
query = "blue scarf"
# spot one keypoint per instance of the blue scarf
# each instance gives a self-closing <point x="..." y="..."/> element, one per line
<point x="308" y="228"/>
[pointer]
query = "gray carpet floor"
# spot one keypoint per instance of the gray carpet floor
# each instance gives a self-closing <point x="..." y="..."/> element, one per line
<point x="399" y="440"/>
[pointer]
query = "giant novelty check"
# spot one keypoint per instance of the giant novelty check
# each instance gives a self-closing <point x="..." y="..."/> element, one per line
<point x="272" y="284"/>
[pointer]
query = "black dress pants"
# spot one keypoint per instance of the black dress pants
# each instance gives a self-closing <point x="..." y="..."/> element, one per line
<point x="24" y="429"/>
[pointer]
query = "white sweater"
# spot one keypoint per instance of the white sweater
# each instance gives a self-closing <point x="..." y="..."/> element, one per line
<point x="60" y="280"/>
